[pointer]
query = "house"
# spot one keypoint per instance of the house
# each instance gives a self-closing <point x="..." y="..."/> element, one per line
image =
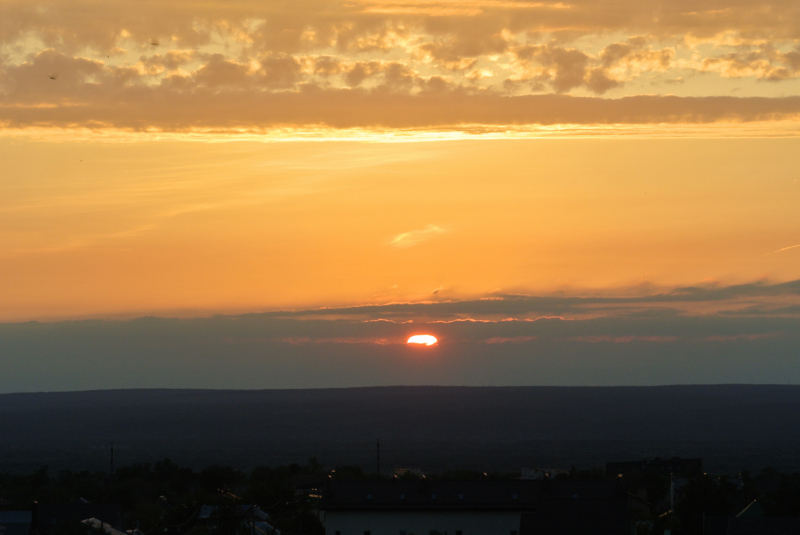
<point x="97" y="525"/>
<point x="54" y="518"/>
<point x="308" y="484"/>
<point x="485" y="507"/>
<point x="251" y="517"/>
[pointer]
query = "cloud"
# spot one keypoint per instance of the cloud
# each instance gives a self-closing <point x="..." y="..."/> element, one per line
<point x="411" y="63"/>
<point x="512" y="340"/>
<point x="396" y="75"/>
<point x="787" y="248"/>
<point x="339" y="23"/>
<point x="740" y="337"/>
<point x="565" y="69"/>
<point x="413" y="237"/>
<point x="632" y="303"/>
<point x="350" y="347"/>
<point x="299" y="340"/>
<point x="445" y="55"/>
<point x="182" y="103"/>
<point x="221" y="72"/>
<point x="623" y="339"/>
<point x="763" y="63"/>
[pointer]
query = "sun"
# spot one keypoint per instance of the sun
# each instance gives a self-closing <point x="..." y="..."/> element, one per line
<point x="422" y="339"/>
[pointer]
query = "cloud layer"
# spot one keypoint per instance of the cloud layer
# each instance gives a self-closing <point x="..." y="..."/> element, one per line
<point x="737" y="334"/>
<point x="395" y="64"/>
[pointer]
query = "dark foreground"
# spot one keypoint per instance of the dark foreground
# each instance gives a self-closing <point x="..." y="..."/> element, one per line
<point x="732" y="427"/>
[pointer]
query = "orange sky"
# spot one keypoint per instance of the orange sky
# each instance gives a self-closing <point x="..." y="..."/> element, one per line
<point x="97" y="227"/>
<point x="563" y="193"/>
<point x="165" y="157"/>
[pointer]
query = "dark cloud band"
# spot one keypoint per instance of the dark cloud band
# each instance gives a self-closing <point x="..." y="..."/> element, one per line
<point x="171" y="109"/>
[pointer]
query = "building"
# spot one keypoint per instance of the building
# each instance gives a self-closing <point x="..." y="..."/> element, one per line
<point x="55" y="518"/>
<point x="478" y="507"/>
<point x="250" y="517"/>
<point x="106" y="528"/>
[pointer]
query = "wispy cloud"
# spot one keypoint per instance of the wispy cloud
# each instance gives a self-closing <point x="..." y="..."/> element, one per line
<point x="413" y="237"/>
<point x="508" y="340"/>
<point x="660" y="304"/>
<point x="623" y="339"/>
<point x="787" y="248"/>
<point x="336" y="340"/>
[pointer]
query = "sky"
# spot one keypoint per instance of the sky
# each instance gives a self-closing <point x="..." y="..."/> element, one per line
<point x="271" y="194"/>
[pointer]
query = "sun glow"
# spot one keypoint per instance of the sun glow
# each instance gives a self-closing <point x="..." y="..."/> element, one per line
<point x="422" y="339"/>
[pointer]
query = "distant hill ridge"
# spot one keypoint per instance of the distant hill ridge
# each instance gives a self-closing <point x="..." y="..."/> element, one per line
<point x="428" y="426"/>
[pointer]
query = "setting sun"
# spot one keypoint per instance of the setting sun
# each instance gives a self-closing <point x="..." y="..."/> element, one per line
<point x="423" y="339"/>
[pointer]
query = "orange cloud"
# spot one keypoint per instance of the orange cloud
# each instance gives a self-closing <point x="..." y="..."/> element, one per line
<point x="420" y="64"/>
<point x="413" y="237"/>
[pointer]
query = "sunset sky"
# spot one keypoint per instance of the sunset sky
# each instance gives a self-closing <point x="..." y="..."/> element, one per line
<point x="253" y="194"/>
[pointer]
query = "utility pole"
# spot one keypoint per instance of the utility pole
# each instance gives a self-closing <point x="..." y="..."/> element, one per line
<point x="108" y="488"/>
<point x="671" y="493"/>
